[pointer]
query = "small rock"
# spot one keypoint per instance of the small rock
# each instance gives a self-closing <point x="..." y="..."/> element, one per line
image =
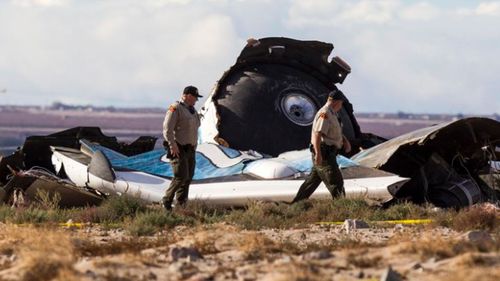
<point x="350" y="225"/>
<point x="398" y="227"/>
<point x="478" y="237"/>
<point x="318" y="255"/>
<point x="390" y="275"/>
<point x="360" y="274"/>
<point x="191" y="254"/>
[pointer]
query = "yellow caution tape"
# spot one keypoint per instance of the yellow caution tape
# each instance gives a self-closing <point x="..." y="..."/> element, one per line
<point x="409" y="221"/>
<point x="415" y="221"/>
<point x="72" y="224"/>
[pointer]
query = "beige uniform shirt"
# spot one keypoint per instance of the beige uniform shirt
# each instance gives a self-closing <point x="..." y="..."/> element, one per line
<point x="326" y="123"/>
<point x="180" y="125"/>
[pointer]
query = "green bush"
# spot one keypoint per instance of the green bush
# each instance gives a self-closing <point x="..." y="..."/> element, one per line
<point x="149" y="222"/>
<point x="6" y="212"/>
<point x="118" y="207"/>
<point x="402" y="211"/>
<point x="30" y="215"/>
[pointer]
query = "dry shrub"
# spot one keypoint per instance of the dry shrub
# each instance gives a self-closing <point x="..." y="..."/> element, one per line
<point x="476" y="217"/>
<point x="259" y="215"/>
<point x="43" y="254"/>
<point x="47" y="200"/>
<point x="256" y="245"/>
<point x="360" y="259"/>
<point x="312" y="211"/>
<point x="201" y="211"/>
<point x="92" y="249"/>
<point x="215" y="239"/>
<point x="441" y="248"/>
<point x="223" y="237"/>
<point x="430" y="247"/>
<point x="294" y="271"/>
<point x="91" y="214"/>
<point x="478" y="259"/>
<point x="472" y="274"/>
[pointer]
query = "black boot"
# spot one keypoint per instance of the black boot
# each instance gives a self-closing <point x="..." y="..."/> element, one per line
<point x="167" y="204"/>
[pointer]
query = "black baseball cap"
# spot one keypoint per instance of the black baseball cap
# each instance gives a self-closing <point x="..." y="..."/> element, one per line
<point x="192" y="90"/>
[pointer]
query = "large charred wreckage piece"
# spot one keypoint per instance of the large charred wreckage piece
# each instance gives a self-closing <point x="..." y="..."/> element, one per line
<point x="267" y="100"/>
<point x="448" y="163"/>
<point x="255" y="129"/>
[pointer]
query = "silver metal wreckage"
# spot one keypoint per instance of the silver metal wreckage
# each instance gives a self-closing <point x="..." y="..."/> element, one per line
<point x="255" y="129"/>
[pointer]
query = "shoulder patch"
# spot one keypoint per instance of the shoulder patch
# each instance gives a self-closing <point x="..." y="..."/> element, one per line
<point x="323" y="115"/>
<point x="172" y="108"/>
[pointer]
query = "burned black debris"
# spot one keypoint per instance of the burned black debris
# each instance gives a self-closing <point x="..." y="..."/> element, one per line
<point x="445" y="162"/>
<point x="29" y="170"/>
<point x="273" y="92"/>
<point x="28" y="186"/>
<point x="36" y="149"/>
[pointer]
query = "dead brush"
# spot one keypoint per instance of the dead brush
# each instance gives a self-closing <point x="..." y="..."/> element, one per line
<point x="201" y="212"/>
<point x="47" y="200"/>
<point x="295" y="271"/>
<point x="362" y="260"/>
<point x="472" y="274"/>
<point x="224" y="237"/>
<point x="253" y="216"/>
<point x="478" y="259"/>
<point x="256" y="246"/>
<point x="214" y="239"/>
<point x="42" y="254"/>
<point x="434" y="246"/>
<point x="476" y="217"/>
<point x="88" y="248"/>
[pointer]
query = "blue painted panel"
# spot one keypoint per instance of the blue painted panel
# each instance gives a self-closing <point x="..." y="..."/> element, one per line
<point x="150" y="162"/>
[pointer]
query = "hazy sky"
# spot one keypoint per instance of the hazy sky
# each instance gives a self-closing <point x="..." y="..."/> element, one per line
<point x="414" y="56"/>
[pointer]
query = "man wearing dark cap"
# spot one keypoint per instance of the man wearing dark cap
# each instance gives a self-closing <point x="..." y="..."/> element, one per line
<point x="326" y="141"/>
<point x="180" y="130"/>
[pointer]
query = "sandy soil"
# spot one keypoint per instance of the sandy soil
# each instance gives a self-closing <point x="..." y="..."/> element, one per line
<point x="224" y="252"/>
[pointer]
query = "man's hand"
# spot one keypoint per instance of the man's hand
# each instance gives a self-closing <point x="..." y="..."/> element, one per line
<point x="174" y="150"/>
<point x="318" y="159"/>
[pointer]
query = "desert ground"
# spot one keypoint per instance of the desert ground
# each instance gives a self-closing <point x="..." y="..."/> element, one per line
<point x="124" y="240"/>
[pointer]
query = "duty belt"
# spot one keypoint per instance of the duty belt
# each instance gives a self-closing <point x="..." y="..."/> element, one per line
<point x="325" y="148"/>
<point x="185" y="147"/>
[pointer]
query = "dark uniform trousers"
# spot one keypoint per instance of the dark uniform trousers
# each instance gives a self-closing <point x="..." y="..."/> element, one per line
<point x="183" y="169"/>
<point x="328" y="172"/>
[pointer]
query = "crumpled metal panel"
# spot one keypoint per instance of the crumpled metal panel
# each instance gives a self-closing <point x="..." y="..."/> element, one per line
<point x="466" y="136"/>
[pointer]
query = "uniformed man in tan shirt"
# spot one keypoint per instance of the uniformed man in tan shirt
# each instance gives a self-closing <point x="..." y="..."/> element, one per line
<point x="180" y="130"/>
<point x="327" y="140"/>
